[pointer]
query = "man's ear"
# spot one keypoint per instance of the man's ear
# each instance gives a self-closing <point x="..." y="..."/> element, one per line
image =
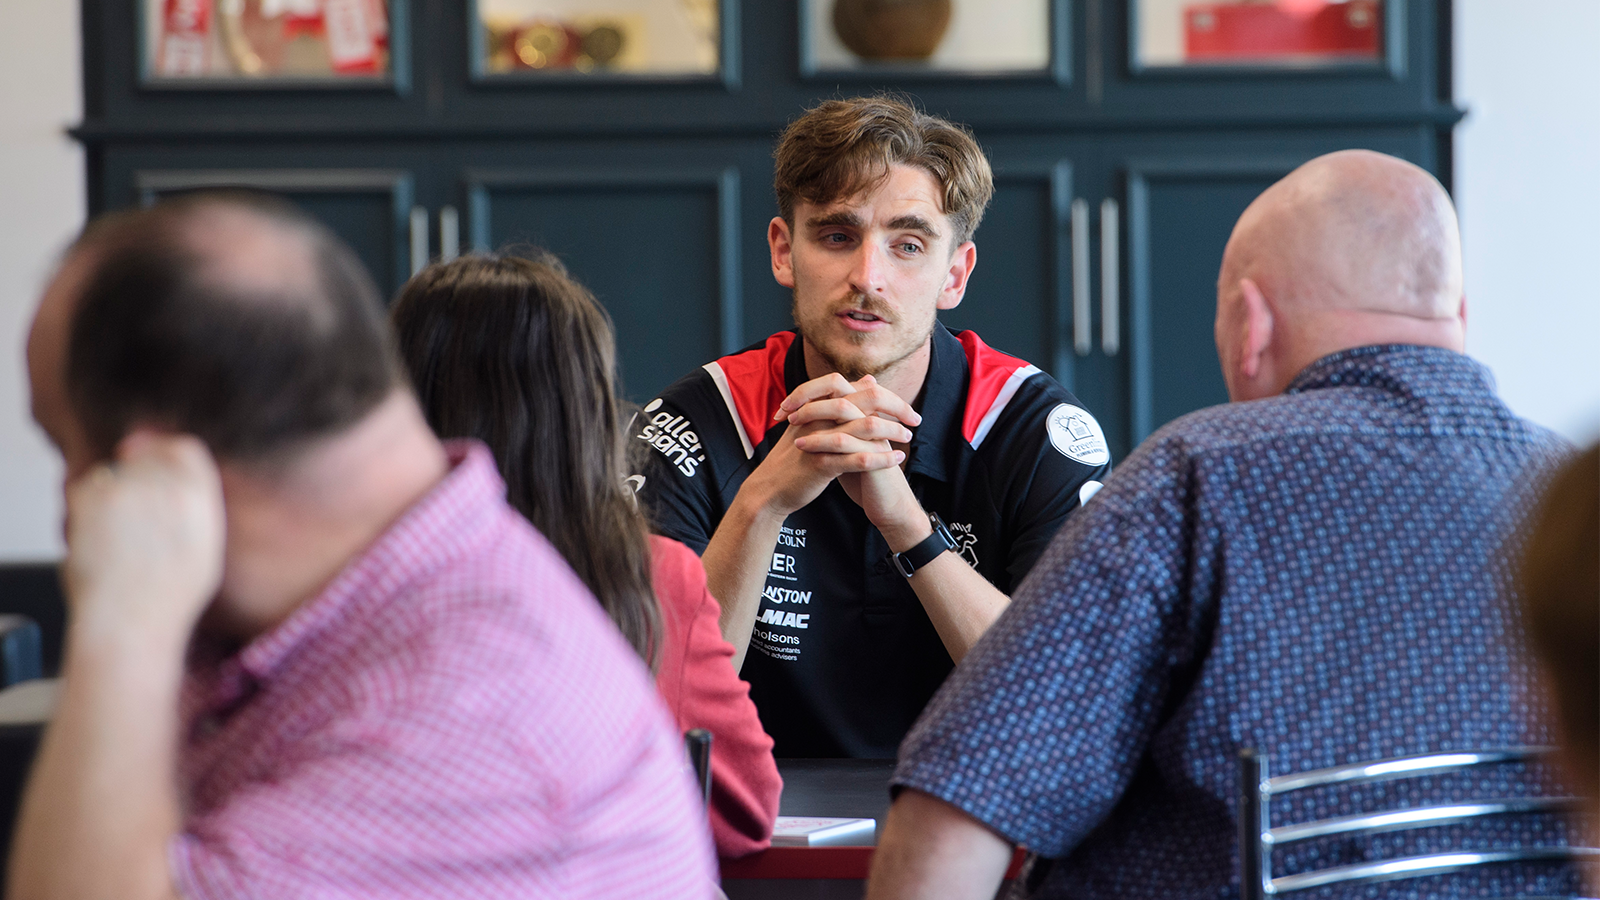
<point x="780" y="241"/>
<point x="1258" y="324"/>
<point x="962" y="261"/>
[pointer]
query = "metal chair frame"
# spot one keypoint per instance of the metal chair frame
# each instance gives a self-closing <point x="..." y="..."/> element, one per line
<point x="1258" y="837"/>
<point x="698" y="742"/>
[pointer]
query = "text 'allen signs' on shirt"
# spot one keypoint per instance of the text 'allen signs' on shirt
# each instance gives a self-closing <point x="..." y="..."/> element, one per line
<point x="673" y="437"/>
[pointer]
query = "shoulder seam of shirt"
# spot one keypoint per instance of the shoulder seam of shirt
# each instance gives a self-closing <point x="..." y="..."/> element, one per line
<point x="751" y="385"/>
<point x="993" y="379"/>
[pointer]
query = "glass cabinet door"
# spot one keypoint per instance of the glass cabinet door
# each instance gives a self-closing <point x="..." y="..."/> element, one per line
<point x="637" y="38"/>
<point x="1263" y="34"/>
<point x="956" y="37"/>
<point x="292" y="43"/>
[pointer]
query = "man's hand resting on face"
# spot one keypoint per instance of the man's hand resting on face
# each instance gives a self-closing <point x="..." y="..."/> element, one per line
<point x="834" y="416"/>
<point x="144" y="559"/>
<point x="145" y="539"/>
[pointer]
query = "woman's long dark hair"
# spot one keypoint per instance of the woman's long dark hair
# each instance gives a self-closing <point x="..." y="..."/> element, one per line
<point x="513" y="352"/>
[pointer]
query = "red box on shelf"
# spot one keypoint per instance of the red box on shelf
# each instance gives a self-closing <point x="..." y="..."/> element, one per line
<point x="1254" y="32"/>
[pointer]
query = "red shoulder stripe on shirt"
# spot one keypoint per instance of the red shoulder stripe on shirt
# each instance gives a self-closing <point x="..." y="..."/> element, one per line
<point x="995" y="378"/>
<point x="752" y="386"/>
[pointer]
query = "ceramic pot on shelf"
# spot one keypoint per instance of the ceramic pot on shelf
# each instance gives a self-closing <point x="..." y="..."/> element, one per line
<point x="891" y="29"/>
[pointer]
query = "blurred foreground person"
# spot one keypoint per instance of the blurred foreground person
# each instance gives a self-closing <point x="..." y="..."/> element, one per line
<point x="515" y="353"/>
<point x="1313" y="571"/>
<point x="1561" y="605"/>
<point x="312" y="652"/>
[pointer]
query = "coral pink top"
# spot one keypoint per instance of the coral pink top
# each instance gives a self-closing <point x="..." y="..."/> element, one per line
<point x="697" y="680"/>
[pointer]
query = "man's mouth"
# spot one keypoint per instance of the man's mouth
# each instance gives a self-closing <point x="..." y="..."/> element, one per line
<point x="860" y="316"/>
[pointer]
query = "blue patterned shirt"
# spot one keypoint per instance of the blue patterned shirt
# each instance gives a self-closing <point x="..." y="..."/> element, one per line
<point x="1313" y="575"/>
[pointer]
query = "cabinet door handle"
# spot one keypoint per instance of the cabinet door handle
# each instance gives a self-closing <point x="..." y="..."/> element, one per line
<point x="419" y="238"/>
<point x="449" y="233"/>
<point x="1082" y="342"/>
<point x="1110" y="268"/>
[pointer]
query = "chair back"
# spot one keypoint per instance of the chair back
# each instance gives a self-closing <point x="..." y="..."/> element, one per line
<point x="698" y="743"/>
<point x="1258" y="835"/>
<point x="21" y="650"/>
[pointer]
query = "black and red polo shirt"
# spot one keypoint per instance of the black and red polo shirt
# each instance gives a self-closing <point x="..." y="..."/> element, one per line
<point x="843" y="656"/>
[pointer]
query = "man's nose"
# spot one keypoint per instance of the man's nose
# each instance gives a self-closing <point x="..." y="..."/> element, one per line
<point x="869" y="276"/>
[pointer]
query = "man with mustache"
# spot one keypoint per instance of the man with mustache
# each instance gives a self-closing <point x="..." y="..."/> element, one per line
<point x="866" y="490"/>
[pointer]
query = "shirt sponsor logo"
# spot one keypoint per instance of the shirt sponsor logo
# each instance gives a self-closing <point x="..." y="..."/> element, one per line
<point x="673" y="437"/>
<point x="966" y="539"/>
<point x="1077" y="435"/>
<point x="785" y="619"/>
<point x="785" y="595"/>
<point x="775" y="645"/>
<point x="782" y="567"/>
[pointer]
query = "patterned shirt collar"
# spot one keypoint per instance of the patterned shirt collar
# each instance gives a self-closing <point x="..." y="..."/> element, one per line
<point x="459" y="511"/>
<point x="1407" y="368"/>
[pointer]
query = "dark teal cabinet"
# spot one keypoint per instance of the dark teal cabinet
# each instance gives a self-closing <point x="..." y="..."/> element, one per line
<point x="1116" y="185"/>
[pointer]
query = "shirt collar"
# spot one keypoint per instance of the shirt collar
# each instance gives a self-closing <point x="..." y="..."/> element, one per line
<point x="1408" y="369"/>
<point x="459" y="512"/>
<point x="935" y="444"/>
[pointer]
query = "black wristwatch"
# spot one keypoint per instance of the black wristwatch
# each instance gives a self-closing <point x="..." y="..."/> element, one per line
<point x="927" y="551"/>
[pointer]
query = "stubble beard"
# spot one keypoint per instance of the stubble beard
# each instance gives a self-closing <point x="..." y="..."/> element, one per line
<point x="855" y="369"/>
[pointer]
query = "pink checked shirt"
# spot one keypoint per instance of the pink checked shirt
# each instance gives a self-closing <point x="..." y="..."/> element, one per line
<point x="453" y="716"/>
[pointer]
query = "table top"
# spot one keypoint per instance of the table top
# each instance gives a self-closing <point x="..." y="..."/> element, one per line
<point x="840" y="788"/>
<point x="30" y="703"/>
<point x="846" y="788"/>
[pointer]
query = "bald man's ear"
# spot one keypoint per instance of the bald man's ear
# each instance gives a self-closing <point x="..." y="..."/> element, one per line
<point x="1258" y="322"/>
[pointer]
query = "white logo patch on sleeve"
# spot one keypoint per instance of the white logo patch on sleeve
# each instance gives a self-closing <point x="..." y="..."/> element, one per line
<point x="1078" y="436"/>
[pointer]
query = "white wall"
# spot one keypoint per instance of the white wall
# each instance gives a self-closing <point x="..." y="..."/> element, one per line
<point x="1527" y="182"/>
<point x="41" y="207"/>
<point x="1528" y="189"/>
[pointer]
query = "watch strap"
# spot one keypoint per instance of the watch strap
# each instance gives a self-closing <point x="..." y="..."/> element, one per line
<point x="926" y="550"/>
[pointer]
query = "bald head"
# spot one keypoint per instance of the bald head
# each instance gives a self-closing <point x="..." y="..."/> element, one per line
<point x="231" y="317"/>
<point x="245" y="254"/>
<point x="1351" y="249"/>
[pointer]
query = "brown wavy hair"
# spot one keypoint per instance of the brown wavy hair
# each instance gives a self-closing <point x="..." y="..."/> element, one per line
<point x="512" y="351"/>
<point x="842" y="147"/>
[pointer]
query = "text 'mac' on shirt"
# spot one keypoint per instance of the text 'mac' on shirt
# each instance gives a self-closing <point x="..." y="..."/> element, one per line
<point x="843" y="657"/>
